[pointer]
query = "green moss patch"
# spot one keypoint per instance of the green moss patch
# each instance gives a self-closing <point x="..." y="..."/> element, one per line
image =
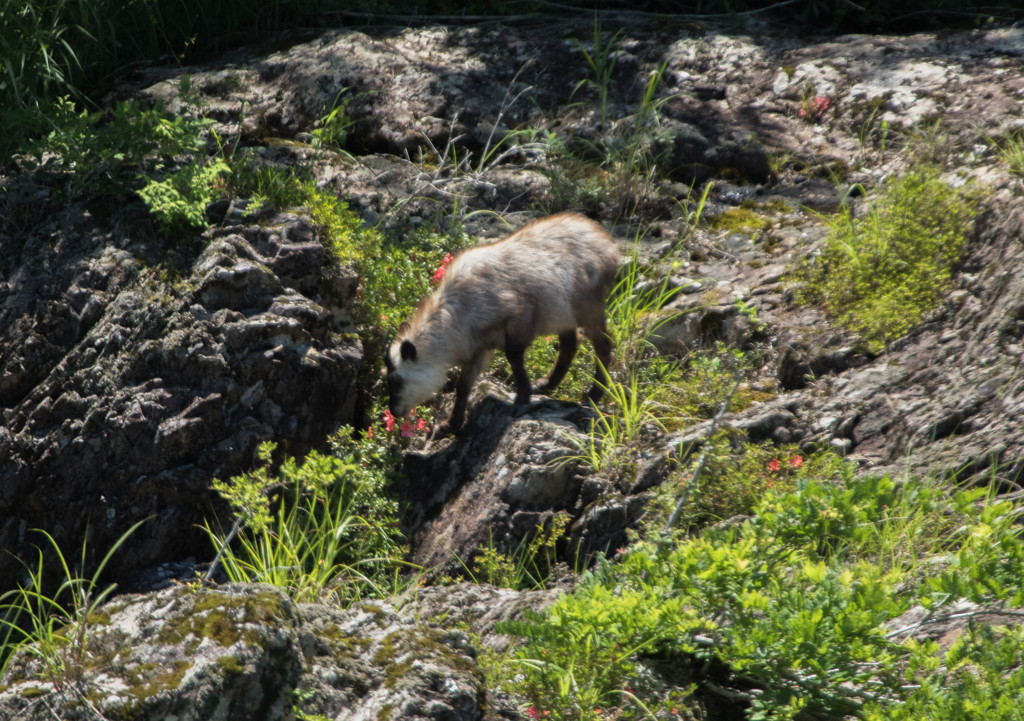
<point x="220" y="617"/>
<point x="742" y="220"/>
<point x="150" y="679"/>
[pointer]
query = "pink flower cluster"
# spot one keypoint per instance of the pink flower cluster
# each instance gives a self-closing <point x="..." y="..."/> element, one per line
<point x="439" y="273"/>
<point x="794" y="462"/>
<point x="816" y="109"/>
<point x="406" y="429"/>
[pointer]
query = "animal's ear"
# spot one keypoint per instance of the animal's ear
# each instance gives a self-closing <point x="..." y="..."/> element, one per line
<point x="388" y="364"/>
<point x="408" y="350"/>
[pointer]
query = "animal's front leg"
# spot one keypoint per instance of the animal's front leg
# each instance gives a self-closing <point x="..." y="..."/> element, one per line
<point x="467" y="377"/>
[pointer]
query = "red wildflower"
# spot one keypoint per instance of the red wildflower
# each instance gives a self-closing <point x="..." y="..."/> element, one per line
<point x="796" y="461"/>
<point x="421" y="425"/>
<point x="815" y="109"/>
<point x="369" y="432"/>
<point x="532" y="712"/>
<point x="389" y="421"/>
<point x="359" y="292"/>
<point x="439" y="273"/>
<point x="406" y="429"/>
<point x="773" y="464"/>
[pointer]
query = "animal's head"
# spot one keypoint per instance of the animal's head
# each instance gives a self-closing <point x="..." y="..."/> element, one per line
<point x="411" y="378"/>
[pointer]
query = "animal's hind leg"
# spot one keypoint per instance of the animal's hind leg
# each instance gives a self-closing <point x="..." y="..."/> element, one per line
<point x="568" y="342"/>
<point x="515" y="349"/>
<point x="598" y="334"/>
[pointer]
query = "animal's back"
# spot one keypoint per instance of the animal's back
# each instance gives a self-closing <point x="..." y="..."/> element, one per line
<point x="557" y="267"/>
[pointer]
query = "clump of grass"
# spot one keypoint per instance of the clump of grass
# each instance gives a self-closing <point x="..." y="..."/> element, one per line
<point x="323" y="528"/>
<point x="881" y="272"/>
<point x="1011" y="152"/>
<point x="53" y="628"/>
<point x="612" y="440"/>
<point x="617" y="173"/>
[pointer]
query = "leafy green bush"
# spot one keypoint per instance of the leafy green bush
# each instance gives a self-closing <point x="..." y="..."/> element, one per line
<point x="321" y="528"/>
<point x="880" y="274"/>
<point x="178" y="202"/>
<point x="797" y="604"/>
<point x="405" y="270"/>
<point x="737" y="475"/>
<point x="129" y="149"/>
<point x="98" y="147"/>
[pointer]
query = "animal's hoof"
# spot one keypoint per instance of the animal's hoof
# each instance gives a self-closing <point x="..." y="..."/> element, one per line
<point x="518" y="411"/>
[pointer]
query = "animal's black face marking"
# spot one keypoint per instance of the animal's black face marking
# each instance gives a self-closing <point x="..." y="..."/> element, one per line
<point x="408" y="350"/>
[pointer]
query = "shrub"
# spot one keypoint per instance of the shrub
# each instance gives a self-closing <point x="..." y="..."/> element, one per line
<point x="178" y="203"/>
<point x="98" y="147"/>
<point x="798" y="602"/>
<point x="403" y="272"/>
<point x="880" y="274"/>
<point x="737" y="476"/>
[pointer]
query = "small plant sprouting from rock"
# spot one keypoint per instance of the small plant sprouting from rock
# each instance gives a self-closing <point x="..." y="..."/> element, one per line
<point x="178" y="202"/>
<point x="1011" y="151"/>
<point x="51" y="632"/>
<point x="332" y="132"/>
<point x="529" y="565"/>
<point x="601" y="61"/>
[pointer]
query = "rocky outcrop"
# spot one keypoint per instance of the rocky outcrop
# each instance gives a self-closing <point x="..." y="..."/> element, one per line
<point x="496" y="484"/>
<point x="403" y="91"/>
<point x="248" y="653"/>
<point x="135" y="370"/>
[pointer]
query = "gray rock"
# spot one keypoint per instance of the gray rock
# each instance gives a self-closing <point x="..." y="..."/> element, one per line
<point x="240" y="653"/>
<point x="503" y="477"/>
<point x="125" y="389"/>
